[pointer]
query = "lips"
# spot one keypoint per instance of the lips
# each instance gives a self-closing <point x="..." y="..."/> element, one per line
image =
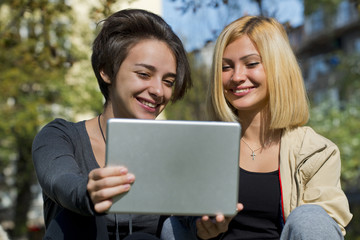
<point x="148" y="104"/>
<point x="241" y="90"/>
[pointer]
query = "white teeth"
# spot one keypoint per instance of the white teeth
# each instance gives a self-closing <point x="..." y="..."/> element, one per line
<point x="148" y="104"/>
<point x="242" y="90"/>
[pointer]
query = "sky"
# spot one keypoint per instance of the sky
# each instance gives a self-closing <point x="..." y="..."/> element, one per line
<point x="195" y="29"/>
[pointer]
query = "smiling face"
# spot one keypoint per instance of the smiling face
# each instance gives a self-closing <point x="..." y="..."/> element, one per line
<point x="143" y="84"/>
<point x="243" y="76"/>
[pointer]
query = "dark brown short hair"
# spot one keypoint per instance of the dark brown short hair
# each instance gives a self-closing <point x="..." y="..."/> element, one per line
<point x="125" y="28"/>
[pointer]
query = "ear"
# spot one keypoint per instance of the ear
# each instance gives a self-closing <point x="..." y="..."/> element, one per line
<point x="105" y="77"/>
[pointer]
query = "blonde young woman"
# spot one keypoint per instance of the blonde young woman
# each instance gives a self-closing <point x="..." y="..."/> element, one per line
<point x="289" y="175"/>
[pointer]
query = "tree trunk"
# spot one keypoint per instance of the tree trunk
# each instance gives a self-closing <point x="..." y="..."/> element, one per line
<point x="24" y="180"/>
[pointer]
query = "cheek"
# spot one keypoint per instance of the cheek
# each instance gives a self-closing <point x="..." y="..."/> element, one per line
<point x="260" y="72"/>
<point x="168" y="93"/>
<point x="225" y="78"/>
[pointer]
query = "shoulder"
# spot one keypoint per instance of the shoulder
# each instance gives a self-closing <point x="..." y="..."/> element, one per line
<point x="60" y="123"/>
<point x="302" y="145"/>
<point x="306" y="135"/>
<point x="59" y="128"/>
<point x="55" y="127"/>
<point x="305" y="140"/>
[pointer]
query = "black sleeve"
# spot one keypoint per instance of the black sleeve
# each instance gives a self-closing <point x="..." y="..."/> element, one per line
<point x="58" y="173"/>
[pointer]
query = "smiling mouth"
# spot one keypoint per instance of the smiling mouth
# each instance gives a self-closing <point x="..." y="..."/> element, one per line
<point x="242" y="90"/>
<point x="152" y="105"/>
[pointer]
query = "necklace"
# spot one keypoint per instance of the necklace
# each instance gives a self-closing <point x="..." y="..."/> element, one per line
<point x="252" y="151"/>
<point x="102" y="133"/>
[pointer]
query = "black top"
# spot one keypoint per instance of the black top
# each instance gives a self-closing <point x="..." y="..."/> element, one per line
<point x="260" y="218"/>
<point x="63" y="158"/>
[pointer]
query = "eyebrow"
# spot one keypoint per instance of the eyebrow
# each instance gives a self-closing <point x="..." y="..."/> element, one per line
<point x="153" y="69"/>
<point x="244" y="57"/>
<point x="150" y="67"/>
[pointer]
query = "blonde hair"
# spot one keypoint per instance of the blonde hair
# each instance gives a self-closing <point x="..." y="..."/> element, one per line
<point x="288" y="102"/>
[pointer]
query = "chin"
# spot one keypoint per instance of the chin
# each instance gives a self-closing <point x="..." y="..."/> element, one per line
<point x="146" y="116"/>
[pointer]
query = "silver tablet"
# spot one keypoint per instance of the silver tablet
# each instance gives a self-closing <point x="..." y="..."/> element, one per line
<point x="181" y="167"/>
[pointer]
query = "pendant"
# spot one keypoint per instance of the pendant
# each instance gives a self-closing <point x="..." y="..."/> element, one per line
<point x="253" y="155"/>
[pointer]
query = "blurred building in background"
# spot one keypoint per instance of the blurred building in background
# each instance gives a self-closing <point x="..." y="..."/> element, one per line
<point x="319" y="44"/>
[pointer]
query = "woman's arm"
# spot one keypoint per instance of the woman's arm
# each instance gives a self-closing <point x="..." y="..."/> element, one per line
<point x="321" y="183"/>
<point x="62" y="171"/>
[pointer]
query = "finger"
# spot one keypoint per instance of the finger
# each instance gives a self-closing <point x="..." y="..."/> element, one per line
<point x="108" y="182"/>
<point x="222" y="223"/>
<point x="239" y="207"/>
<point x="202" y="231"/>
<point x="205" y="218"/>
<point x="207" y="222"/>
<point x="111" y="181"/>
<point x="108" y="193"/>
<point x="103" y="206"/>
<point x="220" y="218"/>
<point x="210" y="227"/>
<point x="100" y="173"/>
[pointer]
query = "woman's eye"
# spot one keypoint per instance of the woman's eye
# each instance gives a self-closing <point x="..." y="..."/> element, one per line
<point x="226" y="67"/>
<point x="143" y="75"/>
<point x="169" y="83"/>
<point x="252" y="64"/>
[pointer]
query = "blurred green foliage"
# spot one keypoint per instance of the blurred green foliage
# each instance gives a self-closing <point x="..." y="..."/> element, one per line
<point x="43" y="76"/>
<point x="329" y="6"/>
<point x="342" y="126"/>
<point x="35" y="57"/>
<point x="192" y="106"/>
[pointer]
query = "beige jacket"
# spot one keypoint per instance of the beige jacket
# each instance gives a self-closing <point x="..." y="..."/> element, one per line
<point x="310" y="168"/>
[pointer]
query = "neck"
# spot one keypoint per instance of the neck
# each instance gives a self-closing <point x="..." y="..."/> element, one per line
<point x="103" y="117"/>
<point x="106" y="115"/>
<point x="256" y="128"/>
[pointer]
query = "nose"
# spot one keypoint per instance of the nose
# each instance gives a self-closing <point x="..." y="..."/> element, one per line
<point x="239" y="74"/>
<point x="156" y="88"/>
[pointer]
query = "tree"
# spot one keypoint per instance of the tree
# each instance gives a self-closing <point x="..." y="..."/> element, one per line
<point x="192" y="107"/>
<point x="338" y="118"/>
<point x="37" y="85"/>
<point x="45" y="73"/>
<point x="35" y="56"/>
<point x="329" y="6"/>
